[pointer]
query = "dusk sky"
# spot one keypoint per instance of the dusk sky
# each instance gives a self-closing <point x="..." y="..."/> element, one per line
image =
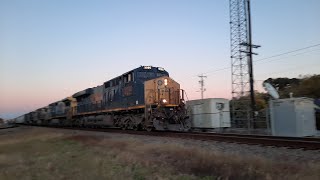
<point x="50" y="49"/>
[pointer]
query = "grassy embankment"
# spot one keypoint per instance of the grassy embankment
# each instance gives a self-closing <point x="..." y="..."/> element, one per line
<point x="45" y="154"/>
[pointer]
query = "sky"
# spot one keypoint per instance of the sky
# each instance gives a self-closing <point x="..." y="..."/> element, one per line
<point x="50" y="49"/>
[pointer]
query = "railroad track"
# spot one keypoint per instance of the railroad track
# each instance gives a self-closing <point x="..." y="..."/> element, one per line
<point x="7" y="126"/>
<point x="274" y="141"/>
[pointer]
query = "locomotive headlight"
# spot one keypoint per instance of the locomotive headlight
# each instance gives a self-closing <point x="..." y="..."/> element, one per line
<point x="164" y="100"/>
<point x="165" y="82"/>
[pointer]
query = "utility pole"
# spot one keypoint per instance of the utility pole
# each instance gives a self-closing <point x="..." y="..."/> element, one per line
<point x="201" y="82"/>
<point x="249" y="53"/>
<point x="253" y="102"/>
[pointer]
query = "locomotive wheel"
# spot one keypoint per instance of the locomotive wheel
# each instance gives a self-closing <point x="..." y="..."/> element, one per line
<point x="130" y="125"/>
<point x="149" y="129"/>
<point x="137" y="127"/>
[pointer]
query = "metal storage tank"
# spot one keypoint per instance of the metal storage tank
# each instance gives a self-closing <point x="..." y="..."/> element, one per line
<point x="209" y="113"/>
<point x="293" y="117"/>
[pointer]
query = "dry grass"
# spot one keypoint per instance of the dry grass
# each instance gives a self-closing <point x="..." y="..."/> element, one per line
<point x="43" y="154"/>
<point x="200" y="162"/>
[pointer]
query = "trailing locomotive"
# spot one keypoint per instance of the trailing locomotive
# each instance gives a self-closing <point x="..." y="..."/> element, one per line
<point x="143" y="98"/>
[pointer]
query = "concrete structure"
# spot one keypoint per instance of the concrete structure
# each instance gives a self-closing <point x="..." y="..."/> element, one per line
<point x="292" y="117"/>
<point x="209" y="113"/>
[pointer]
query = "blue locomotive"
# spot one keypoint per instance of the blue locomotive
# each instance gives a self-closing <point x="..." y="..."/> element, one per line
<point x="143" y="98"/>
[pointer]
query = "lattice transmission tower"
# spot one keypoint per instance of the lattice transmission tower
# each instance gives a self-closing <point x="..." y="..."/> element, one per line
<point x="243" y="101"/>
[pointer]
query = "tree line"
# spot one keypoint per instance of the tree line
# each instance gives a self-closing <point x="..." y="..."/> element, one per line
<point x="303" y="86"/>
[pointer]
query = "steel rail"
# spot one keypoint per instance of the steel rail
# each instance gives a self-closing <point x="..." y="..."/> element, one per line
<point x="262" y="140"/>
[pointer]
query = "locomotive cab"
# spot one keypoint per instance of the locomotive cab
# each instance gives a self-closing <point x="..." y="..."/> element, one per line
<point x="162" y="91"/>
<point x="165" y="104"/>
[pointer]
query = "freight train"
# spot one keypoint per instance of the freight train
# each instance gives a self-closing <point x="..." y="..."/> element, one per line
<point x="145" y="98"/>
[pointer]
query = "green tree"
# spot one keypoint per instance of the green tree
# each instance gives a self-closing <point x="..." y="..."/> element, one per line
<point x="260" y="99"/>
<point x="284" y="85"/>
<point x="307" y="86"/>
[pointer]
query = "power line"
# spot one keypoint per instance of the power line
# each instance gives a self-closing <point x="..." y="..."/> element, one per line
<point x="289" y="56"/>
<point x="273" y="56"/>
<point x="287" y="70"/>
<point x="222" y="69"/>
<point x="289" y="52"/>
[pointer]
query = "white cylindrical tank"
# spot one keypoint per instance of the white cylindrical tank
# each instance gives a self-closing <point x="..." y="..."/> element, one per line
<point x="209" y="113"/>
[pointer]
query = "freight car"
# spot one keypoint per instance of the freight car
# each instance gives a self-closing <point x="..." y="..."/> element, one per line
<point x="143" y="98"/>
